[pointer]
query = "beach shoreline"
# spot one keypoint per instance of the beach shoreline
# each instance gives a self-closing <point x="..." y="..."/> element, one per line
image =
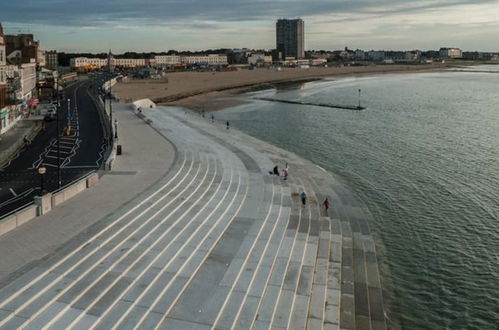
<point x="211" y="91"/>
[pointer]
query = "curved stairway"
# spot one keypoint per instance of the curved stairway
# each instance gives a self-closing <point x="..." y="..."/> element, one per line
<point x="217" y="243"/>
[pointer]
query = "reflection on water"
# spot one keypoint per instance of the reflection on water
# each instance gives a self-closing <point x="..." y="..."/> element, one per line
<point x="424" y="158"/>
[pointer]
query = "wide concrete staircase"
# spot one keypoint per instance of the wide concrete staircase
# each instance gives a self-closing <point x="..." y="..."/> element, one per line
<point x="218" y="243"/>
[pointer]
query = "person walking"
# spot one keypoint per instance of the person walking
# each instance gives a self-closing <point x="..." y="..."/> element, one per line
<point x="326" y="206"/>
<point x="285" y="173"/>
<point x="212" y="118"/>
<point x="275" y="170"/>
<point x="303" y="197"/>
<point x="227" y="124"/>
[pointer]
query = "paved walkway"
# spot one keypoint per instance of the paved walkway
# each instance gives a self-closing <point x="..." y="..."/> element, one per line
<point x="12" y="141"/>
<point x="216" y="243"/>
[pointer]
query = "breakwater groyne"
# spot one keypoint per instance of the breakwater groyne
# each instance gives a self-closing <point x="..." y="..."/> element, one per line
<point x="317" y="104"/>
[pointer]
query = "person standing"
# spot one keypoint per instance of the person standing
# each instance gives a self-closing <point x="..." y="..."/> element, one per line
<point x="275" y="171"/>
<point x="227" y="124"/>
<point x="303" y="197"/>
<point x="326" y="205"/>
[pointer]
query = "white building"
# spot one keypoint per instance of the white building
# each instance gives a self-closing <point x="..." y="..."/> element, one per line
<point x="254" y="59"/>
<point x="78" y="62"/>
<point x="164" y="60"/>
<point x="128" y="62"/>
<point x="28" y="80"/>
<point x="211" y="59"/>
<point x="451" y="53"/>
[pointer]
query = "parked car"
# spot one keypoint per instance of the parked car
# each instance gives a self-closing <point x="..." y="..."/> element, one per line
<point x="50" y="114"/>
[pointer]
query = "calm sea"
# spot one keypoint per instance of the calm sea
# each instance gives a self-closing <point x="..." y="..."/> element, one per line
<point x="424" y="158"/>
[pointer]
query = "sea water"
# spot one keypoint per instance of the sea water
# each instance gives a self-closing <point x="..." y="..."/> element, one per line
<point x="424" y="158"/>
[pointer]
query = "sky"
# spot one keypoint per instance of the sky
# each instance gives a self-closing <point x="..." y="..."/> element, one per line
<point x="161" y="25"/>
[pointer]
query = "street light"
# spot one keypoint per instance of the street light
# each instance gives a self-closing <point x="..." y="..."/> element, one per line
<point x="58" y="140"/>
<point x="41" y="171"/>
<point x="110" y="113"/>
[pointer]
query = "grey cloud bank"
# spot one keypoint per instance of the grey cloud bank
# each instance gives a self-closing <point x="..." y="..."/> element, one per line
<point x="225" y="18"/>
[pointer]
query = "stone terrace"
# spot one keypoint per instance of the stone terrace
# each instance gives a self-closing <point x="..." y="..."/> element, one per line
<point x="217" y="243"/>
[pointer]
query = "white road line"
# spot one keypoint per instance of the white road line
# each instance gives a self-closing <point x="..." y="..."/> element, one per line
<point x="69" y="255"/>
<point x="50" y="165"/>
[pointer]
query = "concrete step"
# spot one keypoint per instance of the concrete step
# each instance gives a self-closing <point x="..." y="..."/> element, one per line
<point x="87" y="271"/>
<point x="62" y="264"/>
<point x="189" y="259"/>
<point x="253" y="275"/>
<point x="236" y="254"/>
<point x="110" y="286"/>
<point x="298" y="232"/>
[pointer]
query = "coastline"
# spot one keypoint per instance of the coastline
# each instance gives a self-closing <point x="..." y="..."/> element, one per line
<point x="213" y="91"/>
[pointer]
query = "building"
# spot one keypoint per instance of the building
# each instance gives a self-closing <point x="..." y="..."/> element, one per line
<point x="3" y="55"/>
<point x="413" y="56"/>
<point x="210" y="59"/>
<point x="28" y="81"/>
<point x="21" y="48"/>
<point x="166" y="60"/>
<point x="40" y="58"/>
<point x="78" y="62"/>
<point x="255" y="59"/>
<point x="51" y="60"/>
<point x="290" y="38"/>
<point x="450" y="53"/>
<point x="360" y="55"/>
<point x="3" y="77"/>
<point x="375" y="55"/>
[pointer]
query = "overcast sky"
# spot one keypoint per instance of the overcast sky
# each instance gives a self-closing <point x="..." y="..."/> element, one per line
<point x="158" y="25"/>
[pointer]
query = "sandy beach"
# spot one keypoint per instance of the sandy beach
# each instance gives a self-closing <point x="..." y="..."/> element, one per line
<point x="217" y="90"/>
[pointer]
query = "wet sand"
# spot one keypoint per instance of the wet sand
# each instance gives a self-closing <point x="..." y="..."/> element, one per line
<point x="217" y="90"/>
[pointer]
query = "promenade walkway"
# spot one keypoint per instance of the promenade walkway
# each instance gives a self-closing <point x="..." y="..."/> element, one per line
<point x="217" y="242"/>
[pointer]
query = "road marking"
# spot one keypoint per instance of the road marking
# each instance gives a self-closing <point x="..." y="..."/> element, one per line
<point x="13" y="192"/>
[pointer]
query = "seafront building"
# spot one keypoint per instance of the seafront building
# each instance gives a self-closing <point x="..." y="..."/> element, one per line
<point x="450" y="53"/>
<point x="20" y="56"/>
<point x="86" y="63"/>
<point x="290" y="39"/>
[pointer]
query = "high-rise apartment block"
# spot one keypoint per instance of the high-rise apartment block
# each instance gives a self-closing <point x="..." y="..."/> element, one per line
<point x="290" y="37"/>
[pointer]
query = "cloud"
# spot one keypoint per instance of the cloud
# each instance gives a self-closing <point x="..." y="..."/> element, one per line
<point x="187" y="24"/>
<point x="157" y="12"/>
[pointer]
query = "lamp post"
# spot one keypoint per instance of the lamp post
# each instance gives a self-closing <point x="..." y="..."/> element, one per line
<point x="68" y="132"/>
<point x="110" y="113"/>
<point x="58" y="140"/>
<point x="41" y="171"/>
<point x="359" y="98"/>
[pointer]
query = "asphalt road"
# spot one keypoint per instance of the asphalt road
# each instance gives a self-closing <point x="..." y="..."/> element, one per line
<point x="81" y="150"/>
